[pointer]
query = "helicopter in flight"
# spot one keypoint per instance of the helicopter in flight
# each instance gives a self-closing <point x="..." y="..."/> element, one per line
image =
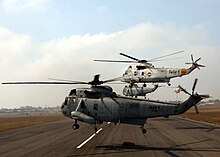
<point x="135" y="90"/>
<point x="98" y="104"/>
<point x="145" y="72"/>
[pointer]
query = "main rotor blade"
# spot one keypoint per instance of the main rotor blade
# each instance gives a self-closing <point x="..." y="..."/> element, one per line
<point x="42" y="82"/>
<point x="116" y="61"/>
<point x="166" y="59"/>
<point x="171" y="54"/>
<point x="129" y="57"/>
<point x="55" y="79"/>
<point x="94" y="82"/>
<point x="112" y="80"/>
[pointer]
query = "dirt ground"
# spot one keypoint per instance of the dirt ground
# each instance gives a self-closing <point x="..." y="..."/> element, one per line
<point x="9" y="123"/>
<point x="207" y="113"/>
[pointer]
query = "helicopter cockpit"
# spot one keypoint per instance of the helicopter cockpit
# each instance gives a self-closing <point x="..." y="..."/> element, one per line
<point x="128" y="71"/>
<point x="72" y="92"/>
<point x="69" y="102"/>
<point x="74" y="98"/>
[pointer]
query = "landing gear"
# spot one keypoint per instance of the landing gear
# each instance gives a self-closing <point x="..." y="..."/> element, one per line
<point x="75" y="126"/>
<point x="169" y="84"/>
<point x="144" y="131"/>
<point x="144" y="85"/>
<point x="96" y="129"/>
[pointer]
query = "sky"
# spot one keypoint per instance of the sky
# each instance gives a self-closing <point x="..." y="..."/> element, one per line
<point x="59" y="39"/>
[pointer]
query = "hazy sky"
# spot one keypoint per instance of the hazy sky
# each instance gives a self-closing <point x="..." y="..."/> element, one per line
<point x="60" y="39"/>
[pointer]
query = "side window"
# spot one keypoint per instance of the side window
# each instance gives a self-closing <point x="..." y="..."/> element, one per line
<point x="95" y="107"/>
<point x="135" y="73"/>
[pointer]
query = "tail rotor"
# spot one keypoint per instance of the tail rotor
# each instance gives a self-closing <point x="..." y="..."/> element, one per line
<point x="193" y="90"/>
<point x="195" y="62"/>
<point x="194" y="86"/>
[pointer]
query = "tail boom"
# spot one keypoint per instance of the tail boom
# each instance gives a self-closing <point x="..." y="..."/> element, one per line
<point x="186" y="105"/>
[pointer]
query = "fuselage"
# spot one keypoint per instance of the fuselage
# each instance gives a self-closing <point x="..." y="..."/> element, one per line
<point x="135" y="90"/>
<point x="142" y="75"/>
<point x="121" y="109"/>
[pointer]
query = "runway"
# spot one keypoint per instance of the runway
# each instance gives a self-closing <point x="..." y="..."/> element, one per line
<point x="165" y="137"/>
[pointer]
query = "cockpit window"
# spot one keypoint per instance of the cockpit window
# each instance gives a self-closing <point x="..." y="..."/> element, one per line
<point x="65" y="102"/>
<point x="128" y="71"/>
<point x="72" y="92"/>
<point x="135" y="73"/>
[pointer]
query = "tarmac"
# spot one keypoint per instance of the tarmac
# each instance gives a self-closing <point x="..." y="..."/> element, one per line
<point x="174" y="137"/>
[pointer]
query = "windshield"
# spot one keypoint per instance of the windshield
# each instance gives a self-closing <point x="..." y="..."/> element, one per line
<point x="72" y="92"/>
<point x="129" y="70"/>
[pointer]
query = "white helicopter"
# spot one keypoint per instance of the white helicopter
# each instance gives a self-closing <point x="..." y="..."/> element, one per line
<point x="145" y="72"/>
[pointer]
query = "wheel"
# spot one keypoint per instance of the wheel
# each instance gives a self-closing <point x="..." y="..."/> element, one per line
<point x="75" y="126"/>
<point x="144" y="85"/>
<point x="144" y="131"/>
<point x="169" y="84"/>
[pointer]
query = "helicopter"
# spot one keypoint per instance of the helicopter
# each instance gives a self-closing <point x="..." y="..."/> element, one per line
<point x="145" y="72"/>
<point x="135" y="90"/>
<point x="99" y="103"/>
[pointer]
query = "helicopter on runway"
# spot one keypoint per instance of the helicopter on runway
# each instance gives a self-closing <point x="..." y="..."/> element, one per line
<point x="98" y="104"/>
<point x="145" y="72"/>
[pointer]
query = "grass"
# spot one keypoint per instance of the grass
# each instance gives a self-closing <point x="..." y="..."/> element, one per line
<point x="10" y="123"/>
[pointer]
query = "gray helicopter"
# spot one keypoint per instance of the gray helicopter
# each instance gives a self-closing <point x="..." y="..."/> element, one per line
<point x="134" y="90"/>
<point x="99" y="104"/>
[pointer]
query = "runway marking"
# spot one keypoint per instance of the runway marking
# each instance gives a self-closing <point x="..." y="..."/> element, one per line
<point x="88" y="139"/>
<point x="109" y="123"/>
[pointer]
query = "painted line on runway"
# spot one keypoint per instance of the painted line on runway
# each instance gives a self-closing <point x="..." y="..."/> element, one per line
<point x="88" y="139"/>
